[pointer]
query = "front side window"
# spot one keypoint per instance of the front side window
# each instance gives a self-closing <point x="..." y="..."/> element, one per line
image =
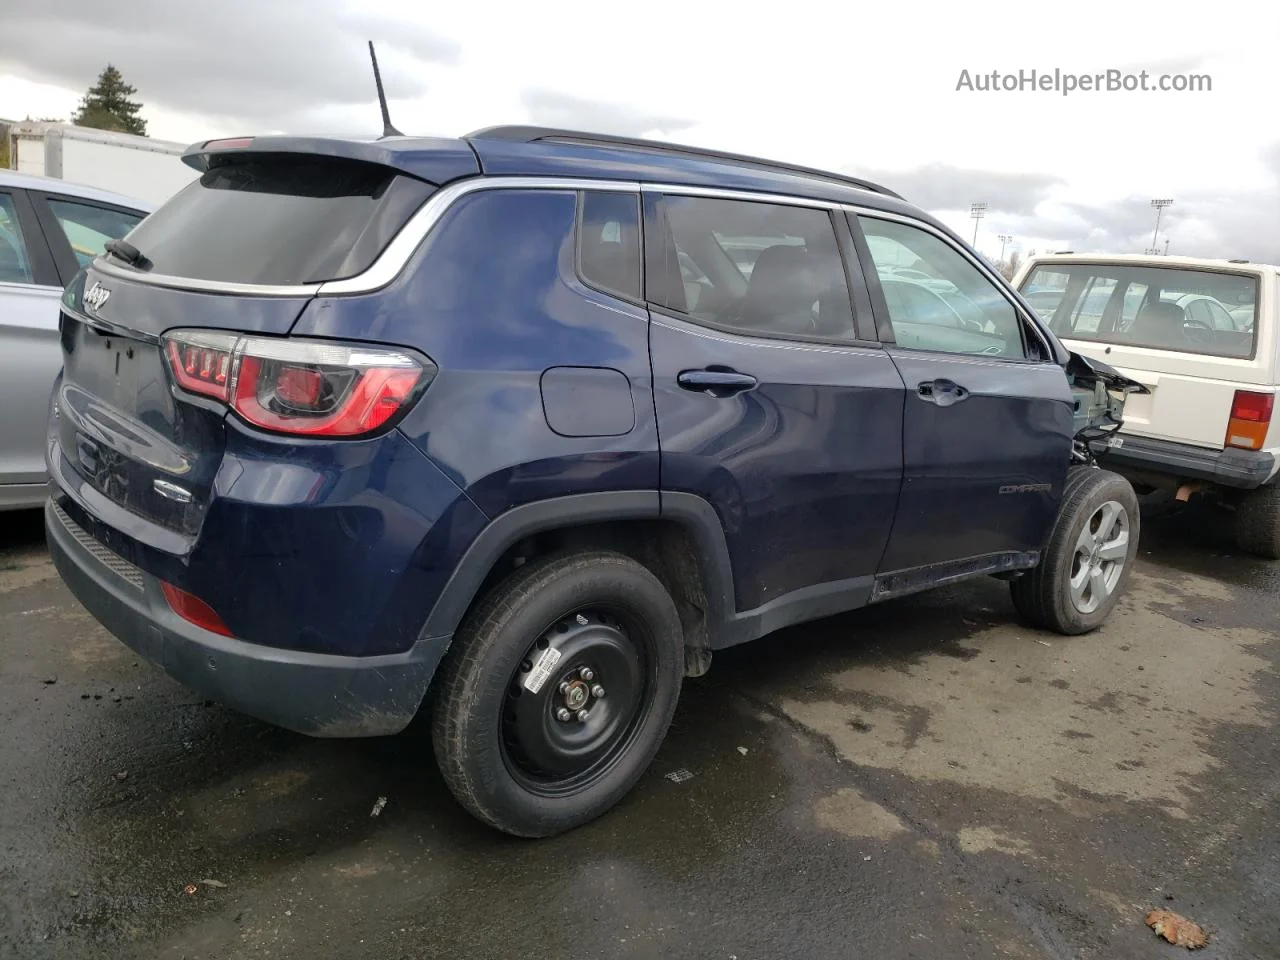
<point x="936" y="298"/>
<point x="1164" y="308"/>
<point x="609" y="242"/>
<point x="757" y="268"/>
<point x="14" y="265"/>
<point x="88" y="227"/>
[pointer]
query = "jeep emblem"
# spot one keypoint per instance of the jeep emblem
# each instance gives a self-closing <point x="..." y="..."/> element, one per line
<point x="96" y="296"/>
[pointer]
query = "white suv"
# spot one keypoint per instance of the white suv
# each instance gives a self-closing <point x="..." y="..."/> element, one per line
<point x="1201" y="335"/>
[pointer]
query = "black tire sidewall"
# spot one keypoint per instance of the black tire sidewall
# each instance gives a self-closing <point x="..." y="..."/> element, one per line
<point x="1099" y="487"/>
<point x="1042" y="596"/>
<point x="491" y="646"/>
<point x="1257" y="522"/>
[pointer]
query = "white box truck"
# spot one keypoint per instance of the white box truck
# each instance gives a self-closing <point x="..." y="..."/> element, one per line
<point x="123" y="163"/>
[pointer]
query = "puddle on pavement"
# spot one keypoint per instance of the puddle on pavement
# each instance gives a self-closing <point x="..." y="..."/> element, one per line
<point x="1165" y="685"/>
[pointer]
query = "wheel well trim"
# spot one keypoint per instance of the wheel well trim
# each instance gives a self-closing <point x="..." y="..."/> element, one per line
<point x="690" y="511"/>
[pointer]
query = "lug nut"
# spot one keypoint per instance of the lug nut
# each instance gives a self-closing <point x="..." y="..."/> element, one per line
<point x="582" y="716"/>
<point x="597" y="691"/>
<point x="563" y="715"/>
<point x="564" y="687"/>
<point x="587" y="674"/>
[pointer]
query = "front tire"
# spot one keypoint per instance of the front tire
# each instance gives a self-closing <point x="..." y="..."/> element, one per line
<point x="558" y="691"/>
<point x="1257" y="524"/>
<point x="1088" y="557"/>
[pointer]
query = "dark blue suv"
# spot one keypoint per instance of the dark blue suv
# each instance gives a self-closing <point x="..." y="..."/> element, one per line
<point x="519" y="428"/>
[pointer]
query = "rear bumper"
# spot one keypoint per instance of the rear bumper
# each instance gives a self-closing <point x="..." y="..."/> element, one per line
<point x="1241" y="469"/>
<point x="321" y="695"/>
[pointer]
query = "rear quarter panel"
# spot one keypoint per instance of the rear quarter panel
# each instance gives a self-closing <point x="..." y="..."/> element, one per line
<point x="493" y="298"/>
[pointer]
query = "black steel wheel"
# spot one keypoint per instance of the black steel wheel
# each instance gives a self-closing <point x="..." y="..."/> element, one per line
<point x="558" y="691"/>
<point x="574" y="701"/>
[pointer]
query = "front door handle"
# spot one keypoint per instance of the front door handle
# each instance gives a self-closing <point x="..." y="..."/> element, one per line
<point x="944" y="393"/>
<point x="719" y="383"/>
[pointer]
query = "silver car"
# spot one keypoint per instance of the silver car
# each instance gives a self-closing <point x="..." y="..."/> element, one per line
<point x="49" y="229"/>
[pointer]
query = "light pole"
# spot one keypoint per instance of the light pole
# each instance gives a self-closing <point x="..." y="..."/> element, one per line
<point x="977" y="211"/>
<point x="1004" y="239"/>
<point x="1159" y="208"/>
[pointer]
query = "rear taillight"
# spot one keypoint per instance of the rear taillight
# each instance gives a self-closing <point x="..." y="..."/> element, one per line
<point x="201" y="362"/>
<point x="306" y="387"/>
<point x="1250" y="419"/>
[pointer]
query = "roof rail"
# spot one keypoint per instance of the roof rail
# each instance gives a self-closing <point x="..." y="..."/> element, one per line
<point x="531" y="134"/>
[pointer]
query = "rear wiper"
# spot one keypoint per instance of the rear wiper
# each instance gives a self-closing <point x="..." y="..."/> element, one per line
<point x="123" y="250"/>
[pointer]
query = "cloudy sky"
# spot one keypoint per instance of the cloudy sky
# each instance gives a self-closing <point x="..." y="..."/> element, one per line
<point x="865" y="88"/>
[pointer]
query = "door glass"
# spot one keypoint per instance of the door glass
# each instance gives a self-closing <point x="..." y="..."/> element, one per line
<point x="88" y="228"/>
<point x="937" y="299"/>
<point x="609" y="242"/>
<point x="759" y="267"/>
<point x="14" y="265"/>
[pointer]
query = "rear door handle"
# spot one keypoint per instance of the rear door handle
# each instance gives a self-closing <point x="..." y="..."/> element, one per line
<point x="718" y="383"/>
<point x="944" y="393"/>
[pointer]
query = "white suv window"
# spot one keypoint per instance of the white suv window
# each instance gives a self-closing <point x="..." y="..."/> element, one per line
<point x="15" y="267"/>
<point x="1164" y="308"/>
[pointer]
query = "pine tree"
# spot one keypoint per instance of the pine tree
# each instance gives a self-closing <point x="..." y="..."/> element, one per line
<point x="107" y="105"/>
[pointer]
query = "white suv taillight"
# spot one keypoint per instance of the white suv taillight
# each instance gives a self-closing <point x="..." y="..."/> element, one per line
<point x="1250" y="419"/>
<point x="303" y="387"/>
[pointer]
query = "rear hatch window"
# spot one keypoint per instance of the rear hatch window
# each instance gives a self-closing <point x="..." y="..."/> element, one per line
<point x="279" y="219"/>
<point x="1164" y="308"/>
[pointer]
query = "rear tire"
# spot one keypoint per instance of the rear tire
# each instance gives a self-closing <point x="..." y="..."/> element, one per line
<point x="537" y="758"/>
<point x="1257" y="525"/>
<point x="1088" y="557"/>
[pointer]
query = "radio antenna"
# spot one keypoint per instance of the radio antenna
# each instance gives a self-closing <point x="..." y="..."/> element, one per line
<point x="387" y="129"/>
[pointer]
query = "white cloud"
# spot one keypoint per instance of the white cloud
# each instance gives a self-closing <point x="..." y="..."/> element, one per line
<point x="863" y="88"/>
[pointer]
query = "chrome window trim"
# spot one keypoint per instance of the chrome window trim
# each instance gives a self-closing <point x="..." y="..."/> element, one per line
<point x="392" y="261"/>
<point x="748" y="196"/>
<point x="400" y="250"/>
<point x="1002" y="286"/>
<point x="106" y="268"/>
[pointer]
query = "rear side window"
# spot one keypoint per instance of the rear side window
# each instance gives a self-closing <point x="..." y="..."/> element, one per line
<point x="279" y="219"/>
<point x="14" y="265"/>
<point x="1163" y="308"/>
<point x="88" y="227"/>
<point x="609" y="242"/>
<point x="755" y="268"/>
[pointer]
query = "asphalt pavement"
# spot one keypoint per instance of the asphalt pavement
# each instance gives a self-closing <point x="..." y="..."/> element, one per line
<point x="926" y="778"/>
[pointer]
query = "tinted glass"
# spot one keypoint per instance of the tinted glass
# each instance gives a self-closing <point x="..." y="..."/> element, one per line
<point x="1166" y="308"/>
<point x="937" y="299"/>
<point x="609" y="242"/>
<point x="280" y="219"/>
<point x="88" y="228"/>
<point x="759" y="267"/>
<point x="14" y="265"/>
